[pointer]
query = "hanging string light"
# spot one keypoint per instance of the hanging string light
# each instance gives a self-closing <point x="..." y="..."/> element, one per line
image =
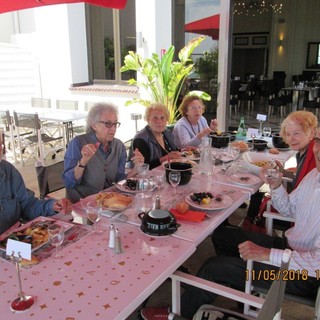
<point x="256" y="7"/>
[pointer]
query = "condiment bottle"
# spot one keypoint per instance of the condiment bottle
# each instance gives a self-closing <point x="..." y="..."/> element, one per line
<point x="112" y="236"/>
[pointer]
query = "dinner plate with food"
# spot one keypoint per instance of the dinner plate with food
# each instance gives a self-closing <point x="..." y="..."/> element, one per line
<point x="191" y="154"/>
<point x="244" y="179"/>
<point x="110" y="201"/>
<point x="209" y="201"/>
<point x="132" y="186"/>
<point x="34" y="232"/>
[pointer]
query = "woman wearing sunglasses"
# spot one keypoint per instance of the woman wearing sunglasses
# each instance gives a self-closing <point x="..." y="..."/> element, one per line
<point x="96" y="159"/>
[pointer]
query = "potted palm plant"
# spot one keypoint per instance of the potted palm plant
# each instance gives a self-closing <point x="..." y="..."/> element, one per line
<point x="163" y="78"/>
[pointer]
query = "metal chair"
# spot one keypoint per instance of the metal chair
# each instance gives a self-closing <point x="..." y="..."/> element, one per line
<point x="67" y="104"/>
<point x="37" y="144"/>
<point x="50" y="178"/>
<point x="270" y="307"/>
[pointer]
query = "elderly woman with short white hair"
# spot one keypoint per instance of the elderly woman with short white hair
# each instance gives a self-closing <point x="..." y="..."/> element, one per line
<point x="96" y="159"/>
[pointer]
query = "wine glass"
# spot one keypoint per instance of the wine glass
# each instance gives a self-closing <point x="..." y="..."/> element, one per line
<point x="174" y="179"/>
<point x="225" y="157"/>
<point x="271" y="174"/>
<point x="159" y="181"/>
<point x="266" y="131"/>
<point x="56" y="237"/>
<point x="93" y="214"/>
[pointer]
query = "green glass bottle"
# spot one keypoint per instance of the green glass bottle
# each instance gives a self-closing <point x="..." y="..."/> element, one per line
<point x="241" y="133"/>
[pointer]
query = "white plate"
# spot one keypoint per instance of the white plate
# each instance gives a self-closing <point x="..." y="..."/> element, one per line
<point x="121" y="186"/>
<point x="244" y="179"/>
<point x="93" y="197"/>
<point x="34" y="223"/>
<point x="213" y="205"/>
<point x="190" y="157"/>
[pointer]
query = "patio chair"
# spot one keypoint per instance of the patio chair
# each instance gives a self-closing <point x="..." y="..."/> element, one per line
<point x="37" y="144"/>
<point x="40" y="103"/>
<point x="270" y="307"/>
<point x="50" y="178"/>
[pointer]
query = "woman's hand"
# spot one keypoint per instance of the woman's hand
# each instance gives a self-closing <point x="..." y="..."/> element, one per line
<point x="88" y="151"/>
<point x="137" y="157"/>
<point x="204" y="132"/>
<point x="214" y="124"/>
<point x="63" y="206"/>
<point x="262" y="176"/>
<point x="174" y="155"/>
<point x="249" y="250"/>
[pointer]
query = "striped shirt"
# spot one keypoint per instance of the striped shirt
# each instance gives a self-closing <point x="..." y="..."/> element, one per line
<point x="304" y="237"/>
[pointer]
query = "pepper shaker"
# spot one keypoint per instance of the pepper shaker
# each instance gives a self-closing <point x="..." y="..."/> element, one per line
<point x="118" y="246"/>
<point x="112" y="236"/>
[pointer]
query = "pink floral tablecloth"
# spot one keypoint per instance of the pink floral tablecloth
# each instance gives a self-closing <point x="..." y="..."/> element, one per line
<point x="91" y="281"/>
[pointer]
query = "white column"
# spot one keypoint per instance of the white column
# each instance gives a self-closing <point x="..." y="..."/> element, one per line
<point x="153" y="26"/>
<point x="225" y="48"/>
<point x="61" y="47"/>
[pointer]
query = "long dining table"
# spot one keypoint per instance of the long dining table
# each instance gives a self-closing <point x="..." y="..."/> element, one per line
<point x="91" y="281"/>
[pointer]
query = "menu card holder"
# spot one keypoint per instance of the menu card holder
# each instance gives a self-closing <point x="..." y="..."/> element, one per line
<point x="23" y="302"/>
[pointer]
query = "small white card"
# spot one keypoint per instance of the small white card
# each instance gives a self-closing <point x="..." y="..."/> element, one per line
<point x="252" y="132"/>
<point x="261" y="117"/>
<point x="18" y="248"/>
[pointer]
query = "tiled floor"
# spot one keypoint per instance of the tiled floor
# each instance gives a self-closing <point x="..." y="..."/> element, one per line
<point x="162" y="296"/>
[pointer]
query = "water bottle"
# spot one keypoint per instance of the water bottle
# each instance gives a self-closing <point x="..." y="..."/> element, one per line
<point x="241" y="133"/>
<point x="206" y="162"/>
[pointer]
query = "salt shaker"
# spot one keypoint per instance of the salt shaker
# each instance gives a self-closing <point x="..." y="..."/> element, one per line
<point x="112" y="236"/>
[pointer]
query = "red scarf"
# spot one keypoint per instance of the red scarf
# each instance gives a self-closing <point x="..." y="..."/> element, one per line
<point x="308" y="165"/>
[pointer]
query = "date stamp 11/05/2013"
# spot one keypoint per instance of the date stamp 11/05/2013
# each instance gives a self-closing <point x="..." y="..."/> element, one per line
<point x="285" y="275"/>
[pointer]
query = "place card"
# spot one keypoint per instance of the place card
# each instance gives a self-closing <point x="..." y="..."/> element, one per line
<point x="18" y="249"/>
<point x="252" y="132"/>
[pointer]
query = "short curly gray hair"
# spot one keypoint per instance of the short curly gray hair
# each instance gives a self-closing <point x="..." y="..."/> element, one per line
<point x="96" y="111"/>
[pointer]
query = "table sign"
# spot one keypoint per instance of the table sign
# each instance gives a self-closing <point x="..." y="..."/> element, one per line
<point x="252" y="133"/>
<point x="261" y="118"/>
<point x="18" y="249"/>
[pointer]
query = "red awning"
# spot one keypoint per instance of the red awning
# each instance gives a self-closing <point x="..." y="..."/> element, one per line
<point x="207" y="26"/>
<point x="13" y="5"/>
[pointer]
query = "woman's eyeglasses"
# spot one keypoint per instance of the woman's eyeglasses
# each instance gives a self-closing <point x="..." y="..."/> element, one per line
<point x="109" y="124"/>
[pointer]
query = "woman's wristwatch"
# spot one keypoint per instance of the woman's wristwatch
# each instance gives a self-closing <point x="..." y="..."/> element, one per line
<point x="80" y="165"/>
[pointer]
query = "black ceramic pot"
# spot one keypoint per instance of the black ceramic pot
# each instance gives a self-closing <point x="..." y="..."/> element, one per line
<point x="158" y="222"/>
<point x="184" y="168"/>
<point x="278" y="142"/>
<point x="258" y="144"/>
<point x="220" y="141"/>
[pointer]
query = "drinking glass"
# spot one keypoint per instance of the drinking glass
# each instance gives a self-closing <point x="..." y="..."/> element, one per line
<point x="143" y="202"/>
<point x="271" y="174"/>
<point x="174" y="179"/>
<point x="143" y="169"/>
<point x="56" y="237"/>
<point x="93" y="214"/>
<point x="266" y="131"/>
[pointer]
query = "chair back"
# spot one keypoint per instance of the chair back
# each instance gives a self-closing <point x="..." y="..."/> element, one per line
<point x="40" y="103"/>
<point x="26" y="120"/>
<point x="50" y="178"/>
<point x="67" y="104"/>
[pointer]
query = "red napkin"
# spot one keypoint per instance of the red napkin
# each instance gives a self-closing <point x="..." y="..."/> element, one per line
<point x="194" y="216"/>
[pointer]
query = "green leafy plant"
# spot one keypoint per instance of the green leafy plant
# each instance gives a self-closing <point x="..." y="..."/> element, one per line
<point x="207" y="65"/>
<point x="163" y="78"/>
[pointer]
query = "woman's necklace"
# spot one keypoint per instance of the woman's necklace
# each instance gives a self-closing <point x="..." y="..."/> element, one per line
<point x="191" y="125"/>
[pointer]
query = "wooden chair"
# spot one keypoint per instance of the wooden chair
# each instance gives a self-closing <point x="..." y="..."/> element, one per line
<point x="270" y="307"/>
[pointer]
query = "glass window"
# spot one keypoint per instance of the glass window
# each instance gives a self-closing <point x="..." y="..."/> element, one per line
<point x="106" y="53"/>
